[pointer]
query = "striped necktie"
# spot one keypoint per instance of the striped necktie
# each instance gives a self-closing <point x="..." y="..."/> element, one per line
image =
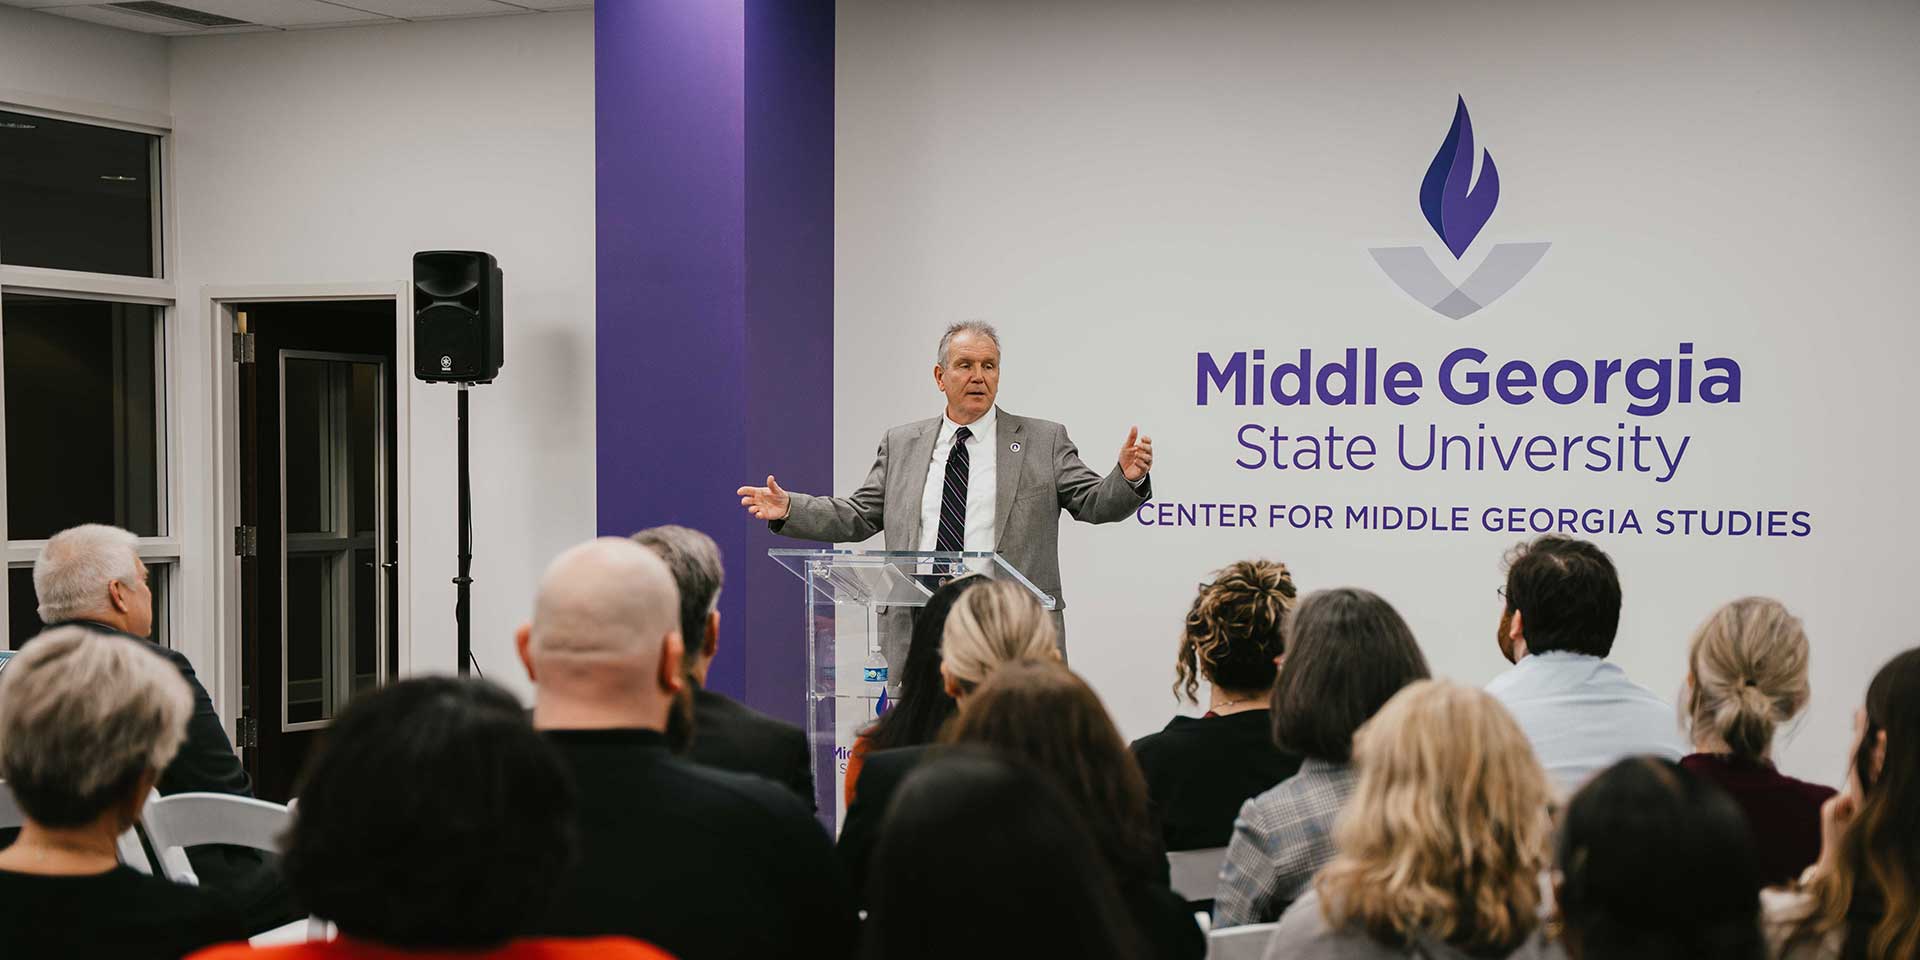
<point x="953" y="496"/>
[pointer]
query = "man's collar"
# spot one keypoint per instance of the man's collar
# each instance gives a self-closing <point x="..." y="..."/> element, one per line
<point x="980" y="426"/>
<point x="96" y="626"/>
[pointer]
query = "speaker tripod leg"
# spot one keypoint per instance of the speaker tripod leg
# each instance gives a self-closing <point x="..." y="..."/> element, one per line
<point x="462" y="607"/>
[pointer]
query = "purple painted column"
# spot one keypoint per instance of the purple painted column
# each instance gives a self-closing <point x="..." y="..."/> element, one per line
<point x="714" y="329"/>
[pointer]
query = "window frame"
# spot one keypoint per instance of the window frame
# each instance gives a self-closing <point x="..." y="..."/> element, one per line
<point x="161" y="291"/>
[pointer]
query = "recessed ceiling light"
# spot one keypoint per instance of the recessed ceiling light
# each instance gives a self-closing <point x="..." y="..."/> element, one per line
<point x="119" y="179"/>
<point x="16" y="125"/>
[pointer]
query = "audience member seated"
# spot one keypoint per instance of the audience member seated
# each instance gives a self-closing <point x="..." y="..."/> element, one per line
<point x="997" y="623"/>
<point x="87" y="722"/>
<point x="1200" y="770"/>
<point x="703" y="862"/>
<point x="1347" y="653"/>
<point x="1861" y="899"/>
<point x="721" y="732"/>
<point x="1557" y="628"/>
<point x="1747" y="675"/>
<point x="433" y="822"/>
<point x="924" y="706"/>
<point x="984" y="856"/>
<point x="92" y="576"/>
<point x="1655" y="863"/>
<point x="1441" y="846"/>
<point x="1044" y="714"/>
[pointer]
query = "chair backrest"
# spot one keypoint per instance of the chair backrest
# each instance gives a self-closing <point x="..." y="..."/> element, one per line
<point x="1195" y="874"/>
<point x="128" y="843"/>
<point x="191" y="819"/>
<point x="1247" y="942"/>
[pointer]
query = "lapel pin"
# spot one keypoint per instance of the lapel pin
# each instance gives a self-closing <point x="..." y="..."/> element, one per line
<point x="1014" y="446"/>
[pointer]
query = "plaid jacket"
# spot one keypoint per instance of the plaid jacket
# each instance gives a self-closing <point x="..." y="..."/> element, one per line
<point x="1279" y="840"/>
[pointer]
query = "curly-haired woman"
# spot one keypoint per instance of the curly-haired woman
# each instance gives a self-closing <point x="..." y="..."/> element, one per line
<point x="1201" y="769"/>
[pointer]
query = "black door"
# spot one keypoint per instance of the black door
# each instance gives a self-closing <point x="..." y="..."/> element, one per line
<point x="318" y="593"/>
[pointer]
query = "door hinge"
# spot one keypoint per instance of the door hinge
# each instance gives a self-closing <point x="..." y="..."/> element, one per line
<point x="242" y="347"/>
<point x="246" y="733"/>
<point x="246" y="541"/>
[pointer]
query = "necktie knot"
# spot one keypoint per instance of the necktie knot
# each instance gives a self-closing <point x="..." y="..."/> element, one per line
<point x="961" y="435"/>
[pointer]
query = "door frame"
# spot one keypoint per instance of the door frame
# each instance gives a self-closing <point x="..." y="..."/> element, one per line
<point x="224" y="589"/>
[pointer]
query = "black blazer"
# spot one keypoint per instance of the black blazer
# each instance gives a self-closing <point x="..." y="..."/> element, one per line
<point x="1200" y="770"/>
<point x="880" y="777"/>
<point x="706" y="864"/>
<point x="732" y="736"/>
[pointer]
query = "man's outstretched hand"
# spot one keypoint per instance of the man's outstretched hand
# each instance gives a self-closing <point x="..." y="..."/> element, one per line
<point x="1136" y="458"/>
<point x="768" y="502"/>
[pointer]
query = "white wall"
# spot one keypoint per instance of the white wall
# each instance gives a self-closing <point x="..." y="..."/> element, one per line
<point x="331" y="156"/>
<point x="84" y="64"/>
<point x="1121" y="185"/>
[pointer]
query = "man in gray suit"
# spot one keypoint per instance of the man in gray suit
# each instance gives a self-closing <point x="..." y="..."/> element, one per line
<point x="974" y="478"/>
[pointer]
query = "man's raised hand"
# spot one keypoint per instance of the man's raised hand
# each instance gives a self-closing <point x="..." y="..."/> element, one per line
<point x="1136" y="456"/>
<point x="765" y="503"/>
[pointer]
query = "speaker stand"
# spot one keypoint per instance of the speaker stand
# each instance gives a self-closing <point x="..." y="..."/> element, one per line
<point x="463" y="584"/>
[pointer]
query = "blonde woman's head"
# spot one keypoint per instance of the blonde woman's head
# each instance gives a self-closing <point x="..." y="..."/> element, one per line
<point x="87" y="722"/>
<point x="1447" y="830"/>
<point x="1748" y="675"/>
<point x="994" y="623"/>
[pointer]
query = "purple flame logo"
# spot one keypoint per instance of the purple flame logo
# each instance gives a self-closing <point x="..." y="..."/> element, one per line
<point x="1457" y="212"/>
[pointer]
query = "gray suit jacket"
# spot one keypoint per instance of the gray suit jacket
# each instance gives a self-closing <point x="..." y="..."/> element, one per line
<point x="1034" y="483"/>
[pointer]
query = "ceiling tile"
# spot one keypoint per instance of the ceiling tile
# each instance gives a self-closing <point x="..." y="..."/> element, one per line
<point x="52" y="3"/>
<point x="108" y="16"/>
<point x="421" y="9"/>
<point x="280" y="13"/>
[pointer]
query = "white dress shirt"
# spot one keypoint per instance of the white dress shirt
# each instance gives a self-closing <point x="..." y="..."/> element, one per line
<point x="982" y="490"/>
<point x="1583" y="714"/>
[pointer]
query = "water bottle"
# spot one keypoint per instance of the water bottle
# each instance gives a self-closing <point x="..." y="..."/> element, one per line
<point x="874" y="677"/>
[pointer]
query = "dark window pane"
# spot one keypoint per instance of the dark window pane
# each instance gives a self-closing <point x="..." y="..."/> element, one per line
<point x="82" y="409"/>
<point x="308" y="436"/>
<point x="74" y="196"/>
<point x="23" y="606"/>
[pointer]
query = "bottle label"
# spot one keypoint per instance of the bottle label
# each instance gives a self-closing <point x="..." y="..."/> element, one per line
<point x="875" y="674"/>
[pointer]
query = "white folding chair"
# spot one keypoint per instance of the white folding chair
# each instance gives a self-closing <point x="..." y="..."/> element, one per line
<point x="1240" y="943"/>
<point x="1195" y="874"/>
<point x="128" y="843"/>
<point x="191" y="819"/>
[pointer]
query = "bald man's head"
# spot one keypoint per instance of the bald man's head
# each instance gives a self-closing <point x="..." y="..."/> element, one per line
<point x="606" y="597"/>
<point x="604" y="646"/>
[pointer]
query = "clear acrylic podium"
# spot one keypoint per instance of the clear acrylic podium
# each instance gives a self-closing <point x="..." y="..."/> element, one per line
<point x="846" y="594"/>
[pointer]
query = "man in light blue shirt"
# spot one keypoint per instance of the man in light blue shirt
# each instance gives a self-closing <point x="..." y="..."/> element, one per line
<point x="1580" y="711"/>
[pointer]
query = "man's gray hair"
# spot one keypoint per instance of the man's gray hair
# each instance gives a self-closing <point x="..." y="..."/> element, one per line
<point x="75" y="568"/>
<point x="979" y="328"/>
<point x="82" y="715"/>
<point x="695" y="561"/>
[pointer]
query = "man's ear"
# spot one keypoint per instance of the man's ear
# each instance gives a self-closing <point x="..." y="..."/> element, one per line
<point x="673" y="655"/>
<point x="1517" y="634"/>
<point x="522" y="641"/>
<point x="711" y="646"/>
<point x="940" y="378"/>
<point x="117" y="596"/>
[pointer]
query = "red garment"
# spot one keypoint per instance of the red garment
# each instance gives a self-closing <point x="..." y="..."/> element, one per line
<point x="531" y="948"/>
<point x="1782" y="813"/>
<point x="856" y="758"/>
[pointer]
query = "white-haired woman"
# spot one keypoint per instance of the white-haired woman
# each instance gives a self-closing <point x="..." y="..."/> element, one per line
<point x="1441" y="848"/>
<point x="87" y="722"/>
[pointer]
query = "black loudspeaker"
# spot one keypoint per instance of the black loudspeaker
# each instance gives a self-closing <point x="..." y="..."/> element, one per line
<point x="456" y="316"/>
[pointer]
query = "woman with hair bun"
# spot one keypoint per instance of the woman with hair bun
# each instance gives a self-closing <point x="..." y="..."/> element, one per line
<point x="1200" y="770"/>
<point x="1746" y="676"/>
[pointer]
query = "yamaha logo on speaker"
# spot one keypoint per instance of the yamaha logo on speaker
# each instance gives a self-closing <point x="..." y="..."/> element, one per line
<point x="446" y="364"/>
